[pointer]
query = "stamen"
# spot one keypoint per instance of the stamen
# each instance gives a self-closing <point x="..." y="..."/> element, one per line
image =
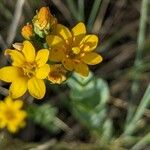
<point x="10" y="114"/>
<point x="29" y="69"/>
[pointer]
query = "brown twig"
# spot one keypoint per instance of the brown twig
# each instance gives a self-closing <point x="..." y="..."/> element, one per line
<point x="100" y="17"/>
<point x="119" y="103"/>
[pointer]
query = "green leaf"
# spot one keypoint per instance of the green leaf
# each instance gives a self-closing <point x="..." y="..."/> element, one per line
<point x="145" y="102"/>
<point x="43" y="115"/>
<point x="39" y="32"/>
<point x="107" y="131"/>
<point x="89" y="96"/>
<point x="144" y="141"/>
<point x="93" y="13"/>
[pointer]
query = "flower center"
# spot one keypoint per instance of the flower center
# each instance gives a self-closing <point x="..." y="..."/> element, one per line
<point x="54" y="75"/>
<point x="10" y="115"/>
<point x="72" y="50"/>
<point x="29" y="69"/>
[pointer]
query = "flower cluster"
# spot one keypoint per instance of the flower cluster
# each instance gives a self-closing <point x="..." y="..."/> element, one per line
<point x="50" y="51"/>
<point x="74" y="49"/>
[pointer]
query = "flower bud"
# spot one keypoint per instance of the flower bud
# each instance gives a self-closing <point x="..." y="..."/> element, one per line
<point x="44" y="22"/>
<point x="27" y="31"/>
<point x="18" y="46"/>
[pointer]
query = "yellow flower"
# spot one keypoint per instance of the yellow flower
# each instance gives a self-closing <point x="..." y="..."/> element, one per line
<point x="44" y="21"/>
<point x="27" y="71"/>
<point x="57" y="74"/>
<point x="74" y="48"/>
<point x="27" y="31"/>
<point x="11" y="115"/>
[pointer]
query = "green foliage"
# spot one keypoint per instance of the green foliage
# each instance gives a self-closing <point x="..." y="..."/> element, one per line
<point x="107" y="131"/>
<point x="93" y="14"/>
<point x="44" y="115"/>
<point x="145" y="102"/>
<point x="72" y="8"/>
<point x="88" y="99"/>
<point x="142" y="142"/>
<point x="135" y="115"/>
<point x="39" y="32"/>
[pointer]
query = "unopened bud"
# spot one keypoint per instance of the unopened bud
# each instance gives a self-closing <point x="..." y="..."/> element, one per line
<point x="44" y="22"/>
<point x="27" y="31"/>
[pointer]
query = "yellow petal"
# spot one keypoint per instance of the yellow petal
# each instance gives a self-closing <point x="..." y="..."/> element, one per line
<point x="18" y="104"/>
<point x="89" y="42"/>
<point x="91" y="58"/>
<point x="81" y="68"/>
<point x="28" y="51"/>
<point x="12" y="127"/>
<point x="56" y="55"/>
<point x="36" y="88"/>
<point x="63" y="31"/>
<point x="42" y="72"/>
<point x="79" y="29"/>
<point x="8" y="101"/>
<point x="2" y="107"/>
<point x="76" y="50"/>
<point x="18" y="88"/>
<point x="77" y="40"/>
<point x="54" y="41"/>
<point x="2" y="122"/>
<point x="42" y="57"/>
<point x="21" y="115"/>
<point x="9" y="74"/>
<point x="68" y="64"/>
<point x="16" y="56"/>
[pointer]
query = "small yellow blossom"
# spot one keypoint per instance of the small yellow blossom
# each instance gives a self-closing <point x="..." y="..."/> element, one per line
<point x="27" y="71"/>
<point x="74" y="48"/>
<point x="11" y="115"/>
<point x="44" y="21"/>
<point x="27" y="31"/>
<point x="57" y="74"/>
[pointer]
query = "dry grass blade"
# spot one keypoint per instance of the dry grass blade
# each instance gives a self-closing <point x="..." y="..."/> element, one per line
<point x="100" y="17"/>
<point x="45" y="146"/>
<point x="63" y="9"/>
<point x="3" y="91"/>
<point x="2" y="42"/>
<point x="15" y="21"/>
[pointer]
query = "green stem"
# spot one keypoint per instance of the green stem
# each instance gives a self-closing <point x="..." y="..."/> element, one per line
<point x="93" y="14"/>
<point x="138" y="59"/>
<point x="140" y="43"/>
<point x="142" y="31"/>
<point x="81" y="10"/>
<point x="145" y="140"/>
<point x="59" y="123"/>
<point x="72" y="8"/>
<point x="6" y="12"/>
<point x="139" y="112"/>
